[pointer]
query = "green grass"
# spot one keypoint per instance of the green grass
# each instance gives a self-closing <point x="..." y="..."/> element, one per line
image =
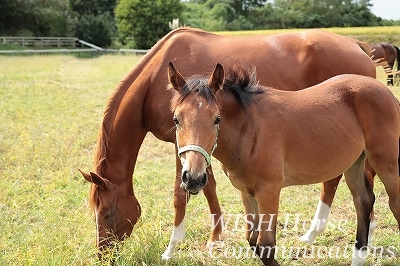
<point x="50" y="111"/>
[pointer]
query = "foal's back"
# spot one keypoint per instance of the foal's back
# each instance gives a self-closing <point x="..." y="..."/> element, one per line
<point x="339" y="118"/>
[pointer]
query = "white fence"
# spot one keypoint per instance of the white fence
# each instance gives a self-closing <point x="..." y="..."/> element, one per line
<point x="56" y="43"/>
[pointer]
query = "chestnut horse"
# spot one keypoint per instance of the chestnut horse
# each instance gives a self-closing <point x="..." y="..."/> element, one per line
<point x="386" y="52"/>
<point x="269" y="139"/>
<point x="286" y="61"/>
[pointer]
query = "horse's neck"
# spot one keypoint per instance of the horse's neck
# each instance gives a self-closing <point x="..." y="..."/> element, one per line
<point x="123" y="129"/>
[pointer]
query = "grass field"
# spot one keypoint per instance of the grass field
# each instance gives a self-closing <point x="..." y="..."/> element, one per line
<point x="50" y="112"/>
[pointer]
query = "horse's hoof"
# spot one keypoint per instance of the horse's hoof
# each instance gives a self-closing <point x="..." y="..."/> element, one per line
<point x="166" y="255"/>
<point x="306" y="239"/>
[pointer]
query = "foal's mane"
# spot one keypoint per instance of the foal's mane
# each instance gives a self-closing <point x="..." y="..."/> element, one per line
<point x="242" y="82"/>
<point x="239" y="80"/>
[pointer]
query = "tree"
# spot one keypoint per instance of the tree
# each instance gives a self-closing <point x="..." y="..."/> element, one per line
<point x="145" y="21"/>
<point x="35" y="18"/>
<point x="95" y="22"/>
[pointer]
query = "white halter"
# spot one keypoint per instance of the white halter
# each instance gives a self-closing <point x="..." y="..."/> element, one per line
<point x="197" y="148"/>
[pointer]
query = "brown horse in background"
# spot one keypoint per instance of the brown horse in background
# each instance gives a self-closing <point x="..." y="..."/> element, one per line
<point x="270" y="139"/>
<point x="386" y="52"/>
<point x="286" y="61"/>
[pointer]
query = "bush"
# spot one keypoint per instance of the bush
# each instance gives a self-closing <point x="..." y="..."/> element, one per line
<point x="95" y="29"/>
<point x="145" y="21"/>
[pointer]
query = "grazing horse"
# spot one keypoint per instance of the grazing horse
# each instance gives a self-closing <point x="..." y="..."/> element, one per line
<point x="269" y="139"/>
<point x="287" y="61"/>
<point x="389" y="53"/>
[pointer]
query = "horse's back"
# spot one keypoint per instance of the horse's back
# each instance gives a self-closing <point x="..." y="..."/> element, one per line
<point x="287" y="61"/>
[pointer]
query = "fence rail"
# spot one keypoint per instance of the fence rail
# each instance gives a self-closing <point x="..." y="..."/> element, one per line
<point x="41" y="42"/>
<point x="55" y="43"/>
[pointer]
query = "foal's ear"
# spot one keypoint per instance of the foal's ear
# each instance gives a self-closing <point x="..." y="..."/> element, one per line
<point x="175" y="78"/>
<point x="217" y="78"/>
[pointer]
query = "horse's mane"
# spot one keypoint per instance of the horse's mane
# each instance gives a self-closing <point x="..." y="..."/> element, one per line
<point x="239" y="80"/>
<point x="117" y="96"/>
<point x="365" y="47"/>
<point x="115" y="100"/>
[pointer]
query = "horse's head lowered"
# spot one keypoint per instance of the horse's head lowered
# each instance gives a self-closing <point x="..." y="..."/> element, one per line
<point x="116" y="210"/>
<point x="196" y="135"/>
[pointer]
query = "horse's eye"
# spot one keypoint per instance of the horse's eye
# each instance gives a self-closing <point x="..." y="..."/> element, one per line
<point x="217" y="120"/>
<point x="108" y="214"/>
<point x="176" y="121"/>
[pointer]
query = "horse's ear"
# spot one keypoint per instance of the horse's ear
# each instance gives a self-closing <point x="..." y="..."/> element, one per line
<point x="101" y="182"/>
<point x="217" y="78"/>
<point x="87" y="176"/>
<point x="175" y="78"/>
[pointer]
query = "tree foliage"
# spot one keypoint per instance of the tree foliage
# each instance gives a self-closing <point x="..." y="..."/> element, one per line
<point x="257" y="14"/>
<point x="143" y="22"/>
<point x="140" y="23"/>
<point x="94" y="20"/>
<point x="35" y="18"/>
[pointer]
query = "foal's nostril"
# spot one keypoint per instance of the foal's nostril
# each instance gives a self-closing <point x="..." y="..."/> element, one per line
<point x="185" y="177"/>
<point x="203" y="180"/>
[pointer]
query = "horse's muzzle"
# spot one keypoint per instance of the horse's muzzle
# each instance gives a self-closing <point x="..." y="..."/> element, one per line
<point x="193" y="183"/>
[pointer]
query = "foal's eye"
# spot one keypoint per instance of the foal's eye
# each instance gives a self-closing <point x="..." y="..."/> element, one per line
<point x="176" y="121"/>
<point x="217" y="120"/>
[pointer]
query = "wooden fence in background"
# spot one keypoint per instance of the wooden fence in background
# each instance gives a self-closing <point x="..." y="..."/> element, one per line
<point x="50" y="45"/>
<point x="41" y="42"/>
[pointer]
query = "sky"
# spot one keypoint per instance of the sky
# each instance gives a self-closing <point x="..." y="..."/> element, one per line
<point x="387" y="9"/>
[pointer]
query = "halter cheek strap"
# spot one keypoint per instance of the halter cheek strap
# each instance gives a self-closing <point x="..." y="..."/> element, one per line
<point x="197" y="149"/>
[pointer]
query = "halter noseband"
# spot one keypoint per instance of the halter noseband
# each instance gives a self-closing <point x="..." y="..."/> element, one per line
<point x="197" y="148"/>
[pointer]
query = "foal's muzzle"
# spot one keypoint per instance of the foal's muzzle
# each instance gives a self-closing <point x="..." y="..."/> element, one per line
<point x="193" y="184"/>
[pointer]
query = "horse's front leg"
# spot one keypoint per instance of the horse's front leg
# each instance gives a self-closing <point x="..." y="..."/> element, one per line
<point x="318" y="223"/>
<point x="180" y="201"/>
<point x="268" y="203"/>
<point x="210" y="192"/>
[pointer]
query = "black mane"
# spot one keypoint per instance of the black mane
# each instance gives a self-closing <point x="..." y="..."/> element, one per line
<point x="239" y="80"/>
<point x="242" y="82"/>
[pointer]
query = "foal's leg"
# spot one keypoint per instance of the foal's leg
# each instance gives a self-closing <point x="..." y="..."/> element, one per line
<point x="321" y="213"/>
<point x="328" y="191"/>
<point x="370" y="174"/>
<point x="388" y="171"/>
<point x="252" y="218"/>
<point x="210" y="192"/>
<point x="268" y="202"/>
<point x="180" y="201"/>
<point x="363" y="198"/>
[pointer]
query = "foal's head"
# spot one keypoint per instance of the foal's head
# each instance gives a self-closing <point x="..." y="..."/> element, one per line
<point x="197" y="117"/>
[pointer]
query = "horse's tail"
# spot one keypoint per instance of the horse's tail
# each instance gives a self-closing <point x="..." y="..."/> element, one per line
<point x="398" y="56"/>
<point x="365" y="47"/>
